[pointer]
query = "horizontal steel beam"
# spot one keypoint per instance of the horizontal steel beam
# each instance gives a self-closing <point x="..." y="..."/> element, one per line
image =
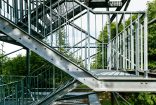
<point x="144" y="85"/>
<point x="105" y="4"/>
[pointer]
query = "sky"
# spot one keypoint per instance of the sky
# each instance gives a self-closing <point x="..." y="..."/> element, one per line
<point x="135" y="5"/>
<point x="138" y="5"/>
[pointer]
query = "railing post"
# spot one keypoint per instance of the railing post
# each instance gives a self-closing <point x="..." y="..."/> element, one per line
<point x="146" y="46"/>
<point x="54" y="79"/>
<point x="0" y="5"/>
<point x="124" y="44"/>
<point x="3" y="89"/>
<point x="88" y="37"/>
<point x="141" y="47"/>
<point x="16" y="90"/>
<point x="21" y="10"/>
<point x="15" y="5"/>
<point x="137" y="57"/>
<point x="129" y="66"/>
<point x="132" y="44"/>
<point x="117" y="43"/>
<point x="29" y="16"/>
<point x="37" y="88"/>
<point x="109" y="44"/>
<point x="22" y="93"/>
<point x="28" y="52"/>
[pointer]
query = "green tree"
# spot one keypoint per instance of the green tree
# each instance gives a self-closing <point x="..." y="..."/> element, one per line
<point x="148" y="98"/>
<point x="103" y="37"/>
<point x="141" y="98"/>
<point x="61" y="40"/>
<point x="14" y="66"/>
<point x="36" y="61"/>
<point x="152" y="35"/>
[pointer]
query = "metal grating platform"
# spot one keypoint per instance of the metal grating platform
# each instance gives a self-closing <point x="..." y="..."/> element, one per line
<point x="112" y="75"/>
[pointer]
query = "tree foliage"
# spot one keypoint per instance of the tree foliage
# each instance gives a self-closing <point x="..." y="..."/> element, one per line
<point x="152" y="35"/>
<point x="103" y="37"/>
<point x="148" y="98"/>
<point x="14" y="66"/>
<point x="136" y="98"/>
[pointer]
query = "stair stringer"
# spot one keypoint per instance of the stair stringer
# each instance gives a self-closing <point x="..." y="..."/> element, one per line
<point x="48" y="53"/>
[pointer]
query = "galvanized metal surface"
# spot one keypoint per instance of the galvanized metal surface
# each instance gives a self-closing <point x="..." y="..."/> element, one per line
<point x="94" y="100"/>
<point x="66" y="33"/>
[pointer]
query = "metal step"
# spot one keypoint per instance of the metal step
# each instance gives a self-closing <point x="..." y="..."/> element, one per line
<point x="51" y="98"/>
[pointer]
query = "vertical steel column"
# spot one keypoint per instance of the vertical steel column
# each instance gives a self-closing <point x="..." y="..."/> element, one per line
<point x="1" y="96"/>
<point x="44" y="25"/>
<point x="146" y="46"/>
<point x="124" y="44"/>
<point x="22" y="92"/>
<point x="112" y="98"/>
<point x="81" y="32"/>
<point x="28" y="61"/>
<point x="16" y="90"/>
<point x="37" y="15"/>
<point x="113" y="53"/>
<point x="97" y="52"/>
<point x="37" y="87"/>
<point x="1" y="61"/>
<point x="109" y="43"/>
<point x="0" y="5"/>
<point x="102" y="44"/>
<point x="73" y="30"/>
<point x="51" y="26"/>
<point x="126" y="47"/>
<point x="132" y="43"/>
<point x="66" y="24"/>
<point x="129" y="49"/>
<point x="21" y="10"/>
<point x="15" y="2"/>
<point x="53" y="78"/>
<point x="7" y="3"/>
<point x="27" y="50"/>
<point x="88" y="37"/>
<point x="29" y="16"/>
<point x="141" y="46"/>
<point x="137" y="48"/>
<point x="58" y="17"/>
<point x="120" y="50"/>
<point x="4" y="97"/>
<point x="117" y="44"/>
<point x="86" y="64"/>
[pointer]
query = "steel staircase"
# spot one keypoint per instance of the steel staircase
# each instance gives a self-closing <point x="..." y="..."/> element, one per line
<point x="58" y="59"/>
<point x="61" y="32"/>
<point x="33" y="89"/>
